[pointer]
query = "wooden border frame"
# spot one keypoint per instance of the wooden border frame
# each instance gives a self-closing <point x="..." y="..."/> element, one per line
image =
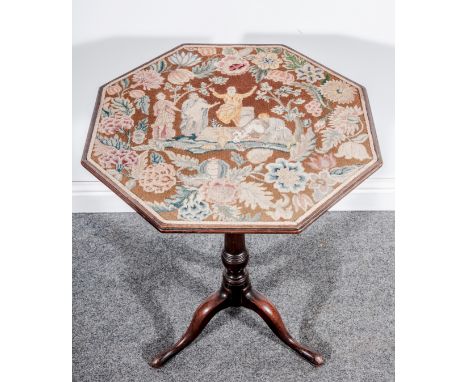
<point x="168" y="228"/>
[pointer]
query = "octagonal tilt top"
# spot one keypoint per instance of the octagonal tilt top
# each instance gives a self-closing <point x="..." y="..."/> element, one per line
<point x="231" y="138"/>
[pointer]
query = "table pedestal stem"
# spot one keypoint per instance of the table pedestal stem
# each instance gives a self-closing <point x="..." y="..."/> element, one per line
<point x="236" y="290"/>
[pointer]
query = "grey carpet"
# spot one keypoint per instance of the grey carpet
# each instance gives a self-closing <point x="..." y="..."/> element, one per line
<point x="134" y="291"/>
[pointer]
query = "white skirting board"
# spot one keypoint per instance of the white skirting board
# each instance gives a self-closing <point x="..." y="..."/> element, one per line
<point x="374" y="194"/>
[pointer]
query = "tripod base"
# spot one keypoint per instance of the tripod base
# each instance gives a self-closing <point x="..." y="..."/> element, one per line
<point x="236" y="290"/>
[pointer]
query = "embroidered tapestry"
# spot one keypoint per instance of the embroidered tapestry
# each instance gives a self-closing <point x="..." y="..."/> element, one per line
<point x="226" y="136"/>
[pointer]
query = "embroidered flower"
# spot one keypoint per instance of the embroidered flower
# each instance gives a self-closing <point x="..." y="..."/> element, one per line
<point x="338" y="91"/>
<point x="233" y="65"/>
<point x="158" y="178"/>
<point x="207" y="51"/>
<point x="319" y="162"/>
<point x="321" y="184"/>
<point x="184" y="59"/>
<point x="118" y="159"/>
<point x="219" y="191"/>
<point x="310" y="73"/>
<point x="281" y="209"/>
<point x="301" y="202"/>
<point x="214" y="168"/>
<point x="257" y="156"/>
<point x="114" y="123"/>
<point x="280" y="76"/>
<point x="266" y="60"/>
<point x="114" y="89"/>
<point x="138" y="136"/>
<point x="194" y="209"/>
<point x="346" y="119"/>
<point x="148" y="78"/>
<point x="136" y="93"/>
<point x="286" y="176"/>
<point x="180" y="76"/>
<point x="314" y="108"/>
<point x="352" y="150"/>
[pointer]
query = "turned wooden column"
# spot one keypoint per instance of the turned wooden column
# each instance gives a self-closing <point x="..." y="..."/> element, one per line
<point x="236" y="290"/>
<point x="235" y="258"/>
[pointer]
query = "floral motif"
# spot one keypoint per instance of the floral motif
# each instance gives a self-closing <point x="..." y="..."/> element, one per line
<point x="314" y="107"/>
<point x="184" y="59"/>
<point x="138" y="137"/>
<point x="257" y="156"/>
<point x="118" y="159"/>
<point x="114" y="89"/>
<point x="180" y="76"/>
<point x="347" y="119"/>
<point x="113" y="123"/>
<point x="319" y="162"/>
<point x="193" y="209"/>
<point x="352" y="150"/>
<point x="338" y="91"/>
<point x="207" y="51"/>
<point x="286" y="176"/>
<point x="219" y="191"/>
<point x="266" y="60"/>
<point x="302" y="202"/>
<point x="136" y="93"/>
<point x="321" y="183"/>
<point x="286" y="78"/>
<point x="225" y="134"/>
<point x="233" y="65"/>
<point x="148" y="79"/>
<point x="310" y="73"/>
<point x="158" y="178"/>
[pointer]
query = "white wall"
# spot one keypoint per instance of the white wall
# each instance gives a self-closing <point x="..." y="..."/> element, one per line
<point x="355" y="38"/>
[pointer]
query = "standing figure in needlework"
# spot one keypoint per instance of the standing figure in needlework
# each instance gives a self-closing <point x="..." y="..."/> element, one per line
<point x="164" y="110"/>
<point x="194" y="115"/>
<point x="231" y="109"/>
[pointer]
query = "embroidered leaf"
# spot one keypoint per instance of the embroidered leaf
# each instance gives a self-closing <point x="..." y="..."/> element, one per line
<point x="105" y="112"/>
<point x="291" y="61"/>
<point x="156" y="158"/>
<point x="143" y="104"/>
<point x="182" y="193"/>
<point x="99" y="148"/>
<point x="331" y="138"/>
<point x="327" y="78"/>
<point x="236" y="157"/>
<point x="204" y="70"/>
<point x="123" y="105"/>
<point x="218" y="80"/>
<point x="140" y="166"/>
<point x="162" y="207"/>
<point x="183" y="161"/>
<point x="257" y="73"/>
<point x="254" y="194"/>
<point x="226" y="212"/>
<point x="159" y="66"/>
<point x="125" y="82"/>
<point x="304" y="147"/>
<point x="338" y="171"/>
<point x="142" y="125"/>
<point x="360" y="138"/>
<point x="239" y="174"/>
<point x="115" y="142"/>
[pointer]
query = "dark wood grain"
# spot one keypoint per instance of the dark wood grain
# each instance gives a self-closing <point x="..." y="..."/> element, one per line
<point x="236" y="290"/>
